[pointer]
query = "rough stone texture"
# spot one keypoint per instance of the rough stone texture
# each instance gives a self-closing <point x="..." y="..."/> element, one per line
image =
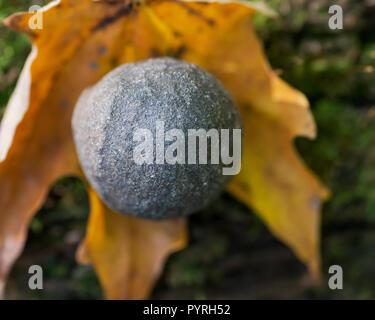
<point x="136" y="95"/>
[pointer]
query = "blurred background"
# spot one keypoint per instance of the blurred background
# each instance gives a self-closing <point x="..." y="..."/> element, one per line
<point x="231" y="253"/>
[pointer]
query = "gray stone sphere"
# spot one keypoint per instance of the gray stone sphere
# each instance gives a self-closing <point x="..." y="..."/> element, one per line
<point x="137" y="95"/>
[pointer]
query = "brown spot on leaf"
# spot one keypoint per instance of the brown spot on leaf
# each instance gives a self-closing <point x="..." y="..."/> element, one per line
<point x="180" y="52"/>
<point x="123" y="11"/>
<point x="154" y="53"/>
<point x="195" y="12"/>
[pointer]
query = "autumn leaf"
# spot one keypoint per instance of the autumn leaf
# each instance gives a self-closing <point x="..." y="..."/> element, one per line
<point x="83" y="40"/>
<point x="127" y="252"/>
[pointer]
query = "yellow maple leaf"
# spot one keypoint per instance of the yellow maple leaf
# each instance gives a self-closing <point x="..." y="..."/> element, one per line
<point x="83" y="40"/>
